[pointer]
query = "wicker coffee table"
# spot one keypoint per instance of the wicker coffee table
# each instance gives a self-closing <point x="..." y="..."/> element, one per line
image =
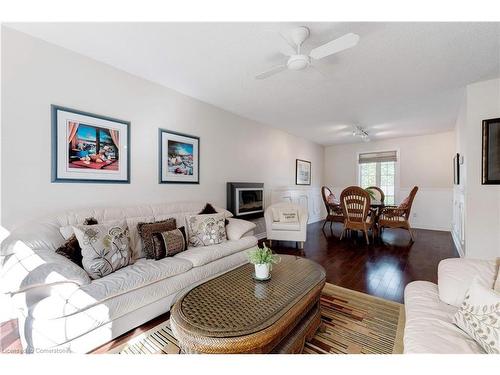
<point x="233" y="313"/>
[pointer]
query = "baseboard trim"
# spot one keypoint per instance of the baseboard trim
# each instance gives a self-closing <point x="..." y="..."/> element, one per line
<point x="430" y="227"/>
<point x="314" y="219"/>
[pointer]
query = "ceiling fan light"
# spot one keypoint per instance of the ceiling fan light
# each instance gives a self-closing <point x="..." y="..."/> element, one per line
<point x="298" y="62"/>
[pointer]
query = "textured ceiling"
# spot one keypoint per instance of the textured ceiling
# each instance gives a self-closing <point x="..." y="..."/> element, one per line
<point x="401" y="79"/>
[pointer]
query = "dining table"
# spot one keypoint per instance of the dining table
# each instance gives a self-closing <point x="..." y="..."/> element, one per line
<point x="374" y="203"/>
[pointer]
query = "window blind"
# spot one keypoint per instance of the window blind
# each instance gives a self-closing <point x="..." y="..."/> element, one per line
<point x="374" y="157"/>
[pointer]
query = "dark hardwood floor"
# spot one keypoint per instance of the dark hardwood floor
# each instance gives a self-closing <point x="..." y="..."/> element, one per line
<point x="382" y="269"/>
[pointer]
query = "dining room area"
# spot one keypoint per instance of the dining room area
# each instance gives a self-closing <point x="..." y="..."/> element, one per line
<point x="387" y="214"/>
<point x="365" y="210"/>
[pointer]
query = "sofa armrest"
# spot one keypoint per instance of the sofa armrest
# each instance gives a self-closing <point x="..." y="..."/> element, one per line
<point x="455" y="275"/>
<point x="25" y="269"/>
<point x="268" y="217"/>
<point x="304" y="218"/>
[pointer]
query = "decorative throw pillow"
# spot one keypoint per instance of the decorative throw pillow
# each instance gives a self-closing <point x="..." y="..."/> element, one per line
<point x="204" y="230"/>
<point x="169" y="243"/>
<point x="146" y="231"/>
<point x="71" y="248"/>
<point x="67" y="231"/>
<point x="105" y="247"/>
<point x="209" y="209"/>
<point x="135" y="238"/>
<point x="479" y="316"/>
<point x="289" y="216"/>
<point x="237" y="228"/>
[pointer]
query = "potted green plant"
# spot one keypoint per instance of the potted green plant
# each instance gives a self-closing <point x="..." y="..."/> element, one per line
<point x="370" y="192"/>
<point x="263" y="259"/>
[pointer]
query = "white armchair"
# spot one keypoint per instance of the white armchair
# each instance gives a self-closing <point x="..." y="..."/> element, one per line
<point x="279" y="229"/>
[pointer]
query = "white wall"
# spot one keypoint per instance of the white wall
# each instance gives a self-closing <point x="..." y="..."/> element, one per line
<point x="481" y="202"/>
<point x="423" y="161"/>
<point x="36" y="74"/>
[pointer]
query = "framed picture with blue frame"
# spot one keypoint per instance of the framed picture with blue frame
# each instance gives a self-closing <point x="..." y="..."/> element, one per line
<point x="89" y="148"/>
<point x="179" y="158"/>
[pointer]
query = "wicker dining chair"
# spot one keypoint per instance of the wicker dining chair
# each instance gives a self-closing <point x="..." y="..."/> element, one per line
<point x="377" y="193"/>
<point x="334" y="213"/>
<point x="355" y="203"/>
<point x="398" y="216"/>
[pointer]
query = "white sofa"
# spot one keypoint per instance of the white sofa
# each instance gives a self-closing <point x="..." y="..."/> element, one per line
<point x="60" y="307"/>
<point x="430" y="308"/>
<point x="279" y="231"/>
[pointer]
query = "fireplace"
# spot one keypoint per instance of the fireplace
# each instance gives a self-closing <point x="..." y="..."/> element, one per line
<point x="245" y="199"/>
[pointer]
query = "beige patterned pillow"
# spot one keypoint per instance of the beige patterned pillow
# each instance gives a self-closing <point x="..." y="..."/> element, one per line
<point x="135" y="238"/>
<point x="479" y="316"/>
<point x="105" y="247"/>
<point x="205" y="230"/>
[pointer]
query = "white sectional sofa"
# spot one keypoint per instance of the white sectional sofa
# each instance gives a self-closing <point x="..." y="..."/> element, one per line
<point x="60" y="307"/>
<point x="430" y="308"/>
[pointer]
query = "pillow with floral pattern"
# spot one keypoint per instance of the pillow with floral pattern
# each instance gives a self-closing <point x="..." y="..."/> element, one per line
<point x="105" y="247"/>
<point x="205" y="230"/>
<point x="479" y="316"/>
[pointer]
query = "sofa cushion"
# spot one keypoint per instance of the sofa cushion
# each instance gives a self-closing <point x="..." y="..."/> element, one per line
<point x="139" y="275"/>
<point x="429" y="324"/>
<point x="56" y="320"/>
<point x="455" y="275"/>
<point x="200" y="256"/>
<point x="285" y="226"/>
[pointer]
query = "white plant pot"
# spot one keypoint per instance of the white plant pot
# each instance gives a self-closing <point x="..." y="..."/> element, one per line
<point x="262" y="271"/>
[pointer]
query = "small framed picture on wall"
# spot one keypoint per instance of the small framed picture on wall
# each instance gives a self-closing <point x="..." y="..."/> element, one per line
<point x="89" y="148"/>
<point x="491" y="152"/>
<point x="302" y="172"/>
<point x="179" y="158"/>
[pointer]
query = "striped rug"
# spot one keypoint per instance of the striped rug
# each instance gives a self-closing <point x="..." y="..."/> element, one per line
<point x="353" y="323"/>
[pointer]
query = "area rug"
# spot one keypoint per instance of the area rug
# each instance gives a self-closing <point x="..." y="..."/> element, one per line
<point x="353" y="323"/>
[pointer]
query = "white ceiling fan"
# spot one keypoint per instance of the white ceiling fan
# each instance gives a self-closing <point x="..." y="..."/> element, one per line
<point x="299" y="61"/>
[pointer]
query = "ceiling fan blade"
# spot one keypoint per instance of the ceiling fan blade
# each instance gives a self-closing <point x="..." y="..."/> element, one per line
<point x="290" y="49"/>
<point x="274" y="70"/>
<point x="337" y="45"/>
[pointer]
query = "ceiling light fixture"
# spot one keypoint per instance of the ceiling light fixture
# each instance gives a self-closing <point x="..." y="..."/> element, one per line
<point x="360" y="132"/>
